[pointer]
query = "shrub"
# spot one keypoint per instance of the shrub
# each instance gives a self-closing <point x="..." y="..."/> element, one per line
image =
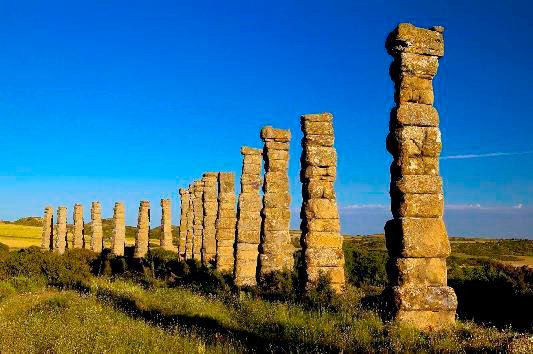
<point x="280" y="286"/>
<point x="365" y="267"/>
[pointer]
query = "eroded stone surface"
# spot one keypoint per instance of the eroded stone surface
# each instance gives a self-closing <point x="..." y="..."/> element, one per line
<point x="321" y="239"/>
<point x="143" y="230"/>
<point x="275" y="250"/>
<point x="77" y="238"/>
<point x="210" y="208"/>
<point x="226" y="222"/>
<point x="47" y="234"/>
<point x="96" y="224"/>
<point x="190" y="224"/>
<point x="416" y="238"/>
<point x="184" y="215"/>
<point x="198" y="227"/>
<point x="61" y="231"/>
<point x="249" y="218"/>
<point x="166" y="225"/>
<point x="118" y="240"/>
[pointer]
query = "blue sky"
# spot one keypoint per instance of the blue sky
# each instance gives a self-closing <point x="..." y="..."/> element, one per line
<point x="130" y="100"/>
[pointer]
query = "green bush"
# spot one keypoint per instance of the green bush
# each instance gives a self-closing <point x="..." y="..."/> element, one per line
<point x="364" y="267"/>
<point x="280" y="286"/>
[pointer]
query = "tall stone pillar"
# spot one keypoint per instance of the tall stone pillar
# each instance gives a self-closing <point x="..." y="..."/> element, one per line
<point x="210" y="207"/>
<point x="198" y="227"/>
<point x="321" y="239"/>
<point x="190" y="224"/>
<point x="143" y="230"/>
<point x="97" y="239"/>
<point x="119" y="230"/>
<point x="166" y="225"/>
<point x="275" y="250"/>
<point x="248" y="218"/>
<point x="184" y="215"/>
<point x="226" y="220"/>
<point x="61" y="238"/>
<point x="416" y="238"/>
<point x="48" y="229"/>
<point x="77" y="239"/>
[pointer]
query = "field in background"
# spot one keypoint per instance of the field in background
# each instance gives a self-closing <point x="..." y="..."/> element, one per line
<point x="26" y="232"/>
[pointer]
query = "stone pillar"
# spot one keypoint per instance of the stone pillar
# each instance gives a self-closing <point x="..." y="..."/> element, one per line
<point x="166" y="225"/>
<point x="48" y="229"/>
<point x="119" y="230"/>
<point x="226" y="220"/>
<point x="61" y="238"/>
<point x="198" y="227"/>
<point x="275" y="250"/>
<point x="416" y="238"/>
<point x="77" y="239"/>
<point x="321" y="239"/>
<point x="249" y="218"/>
<point x="190" y="224"/>
<point x="184" y="215"/>
<point x="143" y="230"/>
<point x="97" y="241"/>
<point x="210" y="208"/>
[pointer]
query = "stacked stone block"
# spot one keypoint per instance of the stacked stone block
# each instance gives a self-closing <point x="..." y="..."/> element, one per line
<point x="190" y="224"/>
<point x="226" y="220"/>
<point x="198" y="227"/>
<point x="416" y="238"/>
<point x="210" y="208"/>
<point x="248" y="218"/>
<point x="143" y="230"/>
<point x="184" y="215"/>
<point x="77" y="239"/>
<point x="96" y="223"/>
<point x="119" y="230"/>
<point x="47" y="235"/>
<point x="166" y="225"/>
<point x="321" y="239"/>
<point x="275" y="250"/>
<point x="61" y="233"/>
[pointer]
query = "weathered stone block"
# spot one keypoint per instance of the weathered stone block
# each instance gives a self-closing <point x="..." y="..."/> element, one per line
<point x="226" y="223"/>
<point x="320" y="140"/>
<point x="410" y="39"/>
<point x="276" y="213"/>
<point x="414" y="141"/>
<point x="323" y="239"/>
<point x="417" y="184"/>
<point x="318" y="172"/>
<point x="414" y="89"/>
<point x="432" y="298"/>
<point x="417" y="271"/>
<point x="276" y="134"/>
<point x="276" y="155"/>
<point x="416" y="114"/>
<point x="417" y="205"/>
<point x="249" y="236"/>
<point x="277" y="165"/>
<point x="276" y="200"/>
<point x="245" y="150"/>
<point x="427" y="320"/>
<point x="320" y="156"/>
<point x="321" y="256"/>
<point x="417" y="165"/>
<point x="317" y="117"/>
<point x="317" y="128"/>
<point x="422" y="66"/>
<point x="275" y="238"/>
<point x="336" y="274"/>
<point x="318" y="189"/>
<point x="417" y="237"/>
<point x="320" y="209"/>
<point x="252" y="169"/>
<point x="322" y="225"/>
<point x="276" y="224"/>
<point x="276" y="145"/>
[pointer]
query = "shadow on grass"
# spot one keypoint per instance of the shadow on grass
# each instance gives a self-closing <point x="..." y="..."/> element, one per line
<point x="270" y="340"/>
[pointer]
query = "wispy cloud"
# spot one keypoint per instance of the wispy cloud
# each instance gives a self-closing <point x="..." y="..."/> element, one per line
<point x="492" y="154"/>
<point x="477" y="206"/>
<point x="365" y="206"/>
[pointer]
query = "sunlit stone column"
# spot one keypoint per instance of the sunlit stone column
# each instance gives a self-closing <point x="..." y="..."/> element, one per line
<point x="248" y="217"/>
<point x="47" y="235"/>
<point x="61" y="239"/>
<point x="416" y="238"/>
<point x="96" y="223"/>
<point x="166" y="225"/>
<point x="226" y="220"/>
<point x="143" y="230"/>
<point x="190" y="224"/>
<point x="77" y="239"/>
<point x="184" y="215"/>
<point x="119" y="230"/>
<point x="210" y="208"/>
<point x="198" y="220"/>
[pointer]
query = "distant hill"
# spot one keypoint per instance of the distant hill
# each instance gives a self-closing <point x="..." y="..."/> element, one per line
<point x="27" y="221"/>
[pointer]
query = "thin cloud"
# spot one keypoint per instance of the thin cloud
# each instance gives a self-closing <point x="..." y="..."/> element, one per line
<point x="478" y="206"/>
<point x="492" y="154"/>
<point x="365" y="206"/>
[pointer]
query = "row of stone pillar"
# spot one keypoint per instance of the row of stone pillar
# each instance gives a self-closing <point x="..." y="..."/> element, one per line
<point x="56" y="238"/>
<point x="254" y="240"/>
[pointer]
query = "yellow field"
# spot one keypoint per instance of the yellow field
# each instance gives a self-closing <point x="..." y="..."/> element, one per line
<point x="20" y="236"/>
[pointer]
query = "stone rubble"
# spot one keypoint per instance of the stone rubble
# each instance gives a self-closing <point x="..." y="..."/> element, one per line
<point x="275" y="249"/>
<point x="248" y="218"/>
<point x="321" y="239"/>
<point x="416" y="237"/>
<point x="143" y="230"/>
<point x="225" y="223"/>
<point x="210" y="208"/>
<point x="97" y="242"/>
